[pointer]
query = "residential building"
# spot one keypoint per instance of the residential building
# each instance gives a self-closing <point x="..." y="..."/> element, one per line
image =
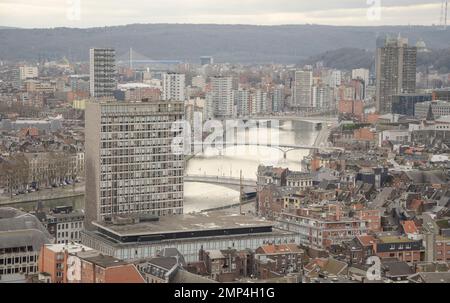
<point x="277" y="260"/>
<point x="302" y="89"/>
<point x="395" y="72"/>
<point x="399" y="247"/>
<point x="173" y="87"/>
<point x="319" y="227"/>
<point x="361" y="74"/>
<point x="222" y="96"/>
<point x="102" y="74"/>
<point x="57" y="263"/>
<point x="63" y="223"/>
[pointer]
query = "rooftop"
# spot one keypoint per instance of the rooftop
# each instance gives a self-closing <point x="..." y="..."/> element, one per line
<point x="104" y="261"/>
<point x="394" y="239"/>
<point x="70" y="248"/>
<point x="186" y="223"/>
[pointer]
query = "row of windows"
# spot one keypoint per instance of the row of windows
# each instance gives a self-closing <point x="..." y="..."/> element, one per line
<point x="18" y="260"/>
<point x="73" y="234"/>
<point x="16" y="270"/>
<point x="78" y="224"/>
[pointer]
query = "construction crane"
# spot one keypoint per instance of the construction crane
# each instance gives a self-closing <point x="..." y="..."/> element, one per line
<point x="444" y="11"/>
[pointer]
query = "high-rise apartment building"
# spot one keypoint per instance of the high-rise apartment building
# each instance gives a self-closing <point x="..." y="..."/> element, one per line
<point x="241" y="99"/>
<point x="173" y="86"/>
<point x="260" y="101"/>
<point x="278" y="98"/>
<point x="102" y="72"/>
<point x="222" y="96"/>
<point x="302" y="89"/>
<point x="322" y="97"/>
<point x="395" y="72"/>
<point x="361" y="74"/>
<point x="131" y="168"/>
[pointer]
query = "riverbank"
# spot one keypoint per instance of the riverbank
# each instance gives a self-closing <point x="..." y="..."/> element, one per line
<point x="68" y="191"/>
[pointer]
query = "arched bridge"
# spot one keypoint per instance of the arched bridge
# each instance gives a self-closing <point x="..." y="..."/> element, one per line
<point x="220" y="180"/>
<point x="284" y="148"/>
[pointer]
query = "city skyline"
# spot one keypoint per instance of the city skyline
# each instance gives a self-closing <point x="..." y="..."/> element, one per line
<point x="81" y="14"/>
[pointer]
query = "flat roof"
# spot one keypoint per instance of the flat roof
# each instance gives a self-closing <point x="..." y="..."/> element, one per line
<point x="70" y="248"/>
<point x="105" y="261"/>
<point x="395" y="239"/>
<point x="186" y="223"/>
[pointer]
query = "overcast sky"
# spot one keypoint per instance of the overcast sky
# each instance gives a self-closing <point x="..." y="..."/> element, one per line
<point x="89" y="13"/>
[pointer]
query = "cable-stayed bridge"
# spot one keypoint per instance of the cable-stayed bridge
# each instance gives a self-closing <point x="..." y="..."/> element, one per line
<point x="134" y="59"/>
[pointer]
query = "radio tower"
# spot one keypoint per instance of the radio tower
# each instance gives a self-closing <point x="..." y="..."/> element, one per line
<point x="444" y="10"/>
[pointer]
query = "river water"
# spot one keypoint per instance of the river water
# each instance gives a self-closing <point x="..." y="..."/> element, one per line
<point x="228" y="162"/>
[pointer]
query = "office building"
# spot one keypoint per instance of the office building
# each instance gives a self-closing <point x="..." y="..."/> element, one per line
<point x="222" y="96"/>
<point x="131" y="168"/>
<point x="188" y="233"/>
<point x="173" y="86"/>
<point x="21" y="238"/>
<point x="438" y="108"/>
<point x="102" y="73"/>
<point x="395" y="72"/>
<point x="404" y="104"/>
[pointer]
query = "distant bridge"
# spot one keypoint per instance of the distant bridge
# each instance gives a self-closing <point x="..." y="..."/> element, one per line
<point x="132" y="57"/>
<point x="220" y="180"/>
<point x="310" y="119"/>
<point x="284" y="148"/>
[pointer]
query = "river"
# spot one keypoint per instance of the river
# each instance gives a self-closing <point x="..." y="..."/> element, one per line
<point x="200" y="196"/>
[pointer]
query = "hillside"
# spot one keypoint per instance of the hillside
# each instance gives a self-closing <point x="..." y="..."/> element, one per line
<point x="227" y="43"/>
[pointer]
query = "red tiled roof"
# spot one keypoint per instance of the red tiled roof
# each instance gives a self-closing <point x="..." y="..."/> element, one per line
<point x="272" y="249"/>
<point x="415" y="204"/>
<point x="409" y="227"/>
<point x="366" y="240"/>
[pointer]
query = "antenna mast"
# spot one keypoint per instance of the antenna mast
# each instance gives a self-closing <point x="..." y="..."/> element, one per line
<point x="241" y="196"/>
<point x="131" y="58"/>
<point x="444" y="13"/>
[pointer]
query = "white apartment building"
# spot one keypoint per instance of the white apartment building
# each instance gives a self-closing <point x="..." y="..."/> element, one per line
<point x="260" y="101"/>
<point x="302" y="89"/>
<point x="222" y="96"/>
<point x="241" y="99"/>
<point x="102" y="73"/>
<point x="278" y="98"/>
<point x="173" y="86"/>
